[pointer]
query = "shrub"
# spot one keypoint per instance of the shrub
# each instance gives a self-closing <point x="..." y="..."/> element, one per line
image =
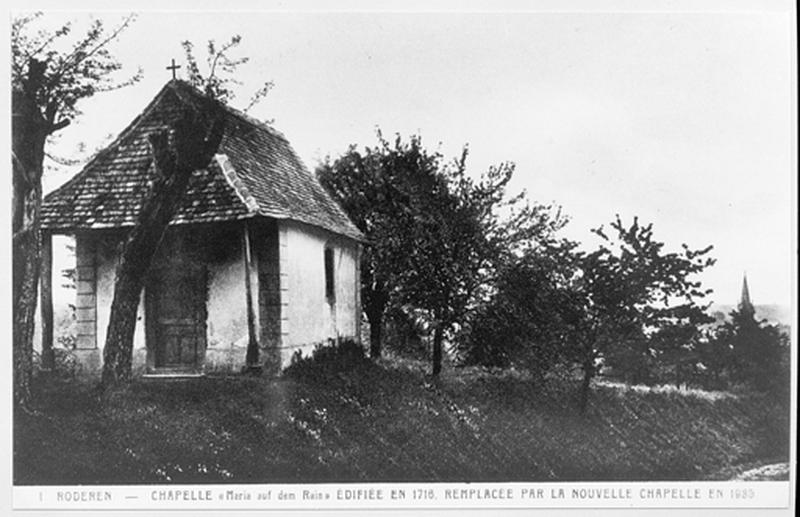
<point x="747" y="352"/>
<point x="337" y="356"/>
<point x="66" y="364"/>
<point x="498" y="338"/>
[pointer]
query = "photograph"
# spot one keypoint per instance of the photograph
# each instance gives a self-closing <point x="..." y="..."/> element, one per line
<point x="403" y="257"/>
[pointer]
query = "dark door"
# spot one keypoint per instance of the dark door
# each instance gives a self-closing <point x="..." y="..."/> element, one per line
<point x="176" y="317"/>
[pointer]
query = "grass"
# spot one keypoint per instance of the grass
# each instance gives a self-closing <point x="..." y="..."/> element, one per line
<point x="387" y="422"/>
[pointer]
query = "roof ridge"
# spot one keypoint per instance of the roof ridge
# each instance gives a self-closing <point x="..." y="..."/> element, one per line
<point x="230" y="109"/>
<point x="236" y="183"/>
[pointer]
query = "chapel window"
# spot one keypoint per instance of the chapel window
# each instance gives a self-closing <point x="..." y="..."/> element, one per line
<point x="330" y="287"/>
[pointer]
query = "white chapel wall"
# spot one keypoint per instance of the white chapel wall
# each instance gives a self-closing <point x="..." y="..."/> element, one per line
<point x="96" y="258"/>
<point x="307" y="317"/>
<point x="226" y="324"/>
<point x="107" y="256"/>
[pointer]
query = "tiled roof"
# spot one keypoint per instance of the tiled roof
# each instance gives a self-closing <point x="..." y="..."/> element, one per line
<point x="256" y="172"/>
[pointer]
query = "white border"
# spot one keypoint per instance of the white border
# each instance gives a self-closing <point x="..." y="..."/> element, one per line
<point x="769" y="497"/>
<point x="377" y="496"/>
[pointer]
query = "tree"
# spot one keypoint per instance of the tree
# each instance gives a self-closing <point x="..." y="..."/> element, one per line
<point x="220" y="80"/>
<point x="627" y="305"/>
<point x="626" y="292"/>
<point x="521" y="325"/>
<point x="675" y="344"/>
<point x="373" y="188"/>
<point x="445" y="250"/>
<point x="759" y="353"/>
<point x="190" y="144"/>
<point x="435" y="236"/>
<point x="463" y="230"/>
<point x="713" y="360"/>
<point x="47" y="84"/>
<point x="747" y="352"/>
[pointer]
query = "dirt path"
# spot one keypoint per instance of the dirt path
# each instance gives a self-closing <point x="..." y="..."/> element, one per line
<point x="773" y="472"/>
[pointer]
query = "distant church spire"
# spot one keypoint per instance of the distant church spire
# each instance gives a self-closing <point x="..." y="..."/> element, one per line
<point x="745" y="305"/>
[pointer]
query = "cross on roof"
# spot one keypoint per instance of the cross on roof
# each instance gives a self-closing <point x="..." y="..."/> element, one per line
<point x="173" y="67"/>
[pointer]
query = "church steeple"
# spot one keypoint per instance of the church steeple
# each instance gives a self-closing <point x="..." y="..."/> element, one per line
<point x="745" y="305"/>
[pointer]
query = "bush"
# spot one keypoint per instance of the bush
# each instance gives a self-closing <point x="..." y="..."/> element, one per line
<point x="326" y="360"/>
<point x="66" y="364"/>
<point x="750" y="353"/>
<point x="519" y="326"/>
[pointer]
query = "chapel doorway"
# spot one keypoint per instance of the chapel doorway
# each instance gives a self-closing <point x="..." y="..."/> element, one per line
<point x="175" y="299"/>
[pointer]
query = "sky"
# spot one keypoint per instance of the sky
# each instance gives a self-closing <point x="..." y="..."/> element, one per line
<point x="684" y="119"/>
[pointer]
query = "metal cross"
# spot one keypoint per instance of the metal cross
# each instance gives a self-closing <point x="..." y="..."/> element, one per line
<point x="173" y="68"/>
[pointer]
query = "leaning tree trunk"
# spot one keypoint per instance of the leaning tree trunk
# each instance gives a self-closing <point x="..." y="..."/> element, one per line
<point x="26" y="258"/>
<point x="29" y="131"/>
<point x="194" y="142"/>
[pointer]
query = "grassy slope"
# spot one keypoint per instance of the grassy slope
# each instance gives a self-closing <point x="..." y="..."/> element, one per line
<point x="387" y="422"/>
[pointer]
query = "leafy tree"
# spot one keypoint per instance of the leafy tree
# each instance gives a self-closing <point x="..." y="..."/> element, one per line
<point x="435" y="236"/>
<point x="220" y="80"/>
<point x="463" y="230"/>
<point x="626" y="292"/>
<point x="759" y="353"/>
<point x="523" y="323"/>
<point x="50" y="74"/>
<point x="675" y="343"/>
<point x="713" y="360"/>
<point x="628" y="305"/>
<point x="372" y="187"/>
<point x="446" y="250"/>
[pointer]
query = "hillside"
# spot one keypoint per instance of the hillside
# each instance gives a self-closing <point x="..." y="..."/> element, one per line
<point x="389" y="422"/>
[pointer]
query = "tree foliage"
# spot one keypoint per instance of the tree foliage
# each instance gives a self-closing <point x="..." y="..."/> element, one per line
<point x="219" y="81"/>
<point x="70" y="70"/>
<point x="373" y="187"/>
<point x="747" y="352"/>
<point x="628" y="292"/>
<point x="524" y="323"/>
<point x="436" y="236"/>
<point x="627" y="305"/>
<point x="463" y="236"/>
